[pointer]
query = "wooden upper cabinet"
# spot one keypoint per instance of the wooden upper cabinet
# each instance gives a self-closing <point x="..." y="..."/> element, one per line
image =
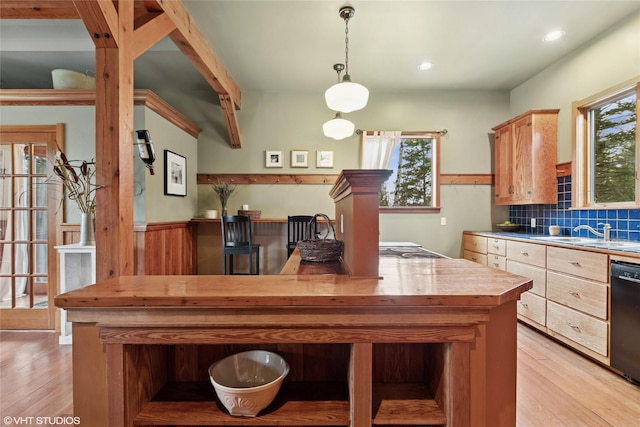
<point x="525" y="159"/>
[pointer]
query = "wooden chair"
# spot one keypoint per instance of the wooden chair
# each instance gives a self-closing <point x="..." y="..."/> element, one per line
<point x="297" y="229"/>
<point x="237" y="239"/>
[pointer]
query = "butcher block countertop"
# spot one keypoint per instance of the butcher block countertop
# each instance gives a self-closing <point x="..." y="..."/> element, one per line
<point x="410" y="282"/>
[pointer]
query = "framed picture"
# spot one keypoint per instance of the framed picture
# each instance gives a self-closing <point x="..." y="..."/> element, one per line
<point x="273" y="159"/>
<point x="324" y="159"/>
<point x="175" y="174"/>
<point x="299" y="159"/>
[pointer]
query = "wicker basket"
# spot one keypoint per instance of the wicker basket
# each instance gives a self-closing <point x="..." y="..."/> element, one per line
<point x="321" y="250"/>
<point x="250" y="213"/>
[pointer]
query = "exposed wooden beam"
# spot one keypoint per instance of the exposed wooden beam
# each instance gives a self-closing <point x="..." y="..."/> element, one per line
<point x="154" y="19"/>
<point x="194" y="45"/>
<point x="38" y="9"/>
<point x="100" y="17"/>
<point x="231" y="120"/>
<point x="149" y="29"/>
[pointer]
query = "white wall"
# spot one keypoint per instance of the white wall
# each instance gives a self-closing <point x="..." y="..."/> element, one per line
<point x="293" y="121"/>
<point x="610" y="59"/>
<point x="166" y="136"/>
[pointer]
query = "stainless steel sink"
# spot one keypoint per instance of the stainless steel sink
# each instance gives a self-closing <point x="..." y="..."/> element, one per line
<point x="590" y="242"/>
<point x="617" y="244"/>
<point x="567" y="239"/>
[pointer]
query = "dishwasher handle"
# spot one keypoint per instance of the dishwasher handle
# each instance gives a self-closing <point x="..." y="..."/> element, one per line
<point x="629" y="279"/>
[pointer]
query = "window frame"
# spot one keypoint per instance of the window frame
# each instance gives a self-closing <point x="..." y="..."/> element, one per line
<point x="581" y="168"/>
<point x="435" y="208"/>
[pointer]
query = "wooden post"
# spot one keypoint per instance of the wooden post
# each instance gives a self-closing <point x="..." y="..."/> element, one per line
<point x="356" y="196"/>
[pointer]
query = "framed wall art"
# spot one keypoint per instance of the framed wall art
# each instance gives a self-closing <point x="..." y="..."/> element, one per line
<point x="324" y="159"/>
<point x="299" y="159"/>
<point x="175" y="174"/>
<point x="273" y="159"/>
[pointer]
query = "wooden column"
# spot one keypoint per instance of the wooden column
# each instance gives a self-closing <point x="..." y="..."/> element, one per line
<point x="112" y="32"/>
<point x="356" y="197"/>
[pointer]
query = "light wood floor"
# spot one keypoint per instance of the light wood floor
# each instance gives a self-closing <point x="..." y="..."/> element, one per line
<point x="556" y="387"/>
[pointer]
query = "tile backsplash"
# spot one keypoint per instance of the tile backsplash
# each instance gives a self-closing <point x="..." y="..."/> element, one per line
<point x="625" y="223"/>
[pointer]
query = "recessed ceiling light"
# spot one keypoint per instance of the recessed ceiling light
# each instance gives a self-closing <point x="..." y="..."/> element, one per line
<point x="553" y="35"/>
<point x="425" y="66"/>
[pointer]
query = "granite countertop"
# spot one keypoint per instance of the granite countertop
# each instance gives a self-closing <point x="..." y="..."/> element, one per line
<point x="626" y="246"/>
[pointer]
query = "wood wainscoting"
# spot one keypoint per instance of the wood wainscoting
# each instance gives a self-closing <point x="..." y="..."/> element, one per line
<point x="166" y="248"/>
<point x="160" y="248"/>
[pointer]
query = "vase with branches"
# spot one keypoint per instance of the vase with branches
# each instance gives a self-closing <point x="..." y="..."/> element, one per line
<point x="77" y="178"/>
<point x="224" y="190"/>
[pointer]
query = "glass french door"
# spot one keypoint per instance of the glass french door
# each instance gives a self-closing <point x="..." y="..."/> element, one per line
<point x="28" y="199"/>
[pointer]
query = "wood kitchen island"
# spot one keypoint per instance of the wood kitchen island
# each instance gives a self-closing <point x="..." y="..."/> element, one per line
<point x="430" y="342"/>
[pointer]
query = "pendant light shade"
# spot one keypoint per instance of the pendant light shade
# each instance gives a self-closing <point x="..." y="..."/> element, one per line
<point x="338" y="128"/>
<point x="346" y="96"/>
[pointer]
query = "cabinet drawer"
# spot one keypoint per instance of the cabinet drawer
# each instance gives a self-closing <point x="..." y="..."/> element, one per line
<point x="528" y="253"/>
<point x="584" y="295"/>
<point x="578" y="327"/>
<point x="497" y="246"/>
<point x="475" y="243"/>
<point x="533" y="307"/>
<point x="497" y="261"/>
<point x="475" y="257"/>
<point x="590" y="265"/>
<point x="537" y="274"/>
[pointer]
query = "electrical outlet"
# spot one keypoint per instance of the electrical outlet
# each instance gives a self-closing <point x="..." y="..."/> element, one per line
<point x="443" y="220"/>
<point x="533" y="223"/>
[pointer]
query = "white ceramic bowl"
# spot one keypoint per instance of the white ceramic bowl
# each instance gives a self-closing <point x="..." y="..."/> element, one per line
<point x="247" y="382"/>
<point x="69" y="79"/>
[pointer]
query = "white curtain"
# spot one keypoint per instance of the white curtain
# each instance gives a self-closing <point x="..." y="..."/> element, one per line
<point x="377" y="149"/>
<point x="17" y="198"/>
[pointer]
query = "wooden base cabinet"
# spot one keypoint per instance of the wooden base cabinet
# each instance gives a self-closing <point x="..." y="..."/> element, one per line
<point x="475" y="248"/>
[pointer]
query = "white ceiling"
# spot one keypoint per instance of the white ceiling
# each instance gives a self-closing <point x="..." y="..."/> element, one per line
<point x="272" y="45"/>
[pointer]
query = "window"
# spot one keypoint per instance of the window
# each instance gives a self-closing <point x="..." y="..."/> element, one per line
<point x="413" y="160"/>
<point x="606" y="149"/>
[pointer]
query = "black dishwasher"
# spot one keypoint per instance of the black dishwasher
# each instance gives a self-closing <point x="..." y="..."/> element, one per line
<point x="625" y="319"/>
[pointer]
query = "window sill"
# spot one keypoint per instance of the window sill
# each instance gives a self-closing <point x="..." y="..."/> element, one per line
<point x="409" y="209"/>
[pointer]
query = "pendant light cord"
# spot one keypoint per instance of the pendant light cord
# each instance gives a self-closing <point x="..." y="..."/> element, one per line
<point x="346" y="45"/>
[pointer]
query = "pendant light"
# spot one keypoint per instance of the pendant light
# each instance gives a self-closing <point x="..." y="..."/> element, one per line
<point x="338" y="128"/>
<point x="346" y="96"/>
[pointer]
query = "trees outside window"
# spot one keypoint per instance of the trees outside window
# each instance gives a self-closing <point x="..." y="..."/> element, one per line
<point x="606" y="144"/>
<point x="412" y="181"/>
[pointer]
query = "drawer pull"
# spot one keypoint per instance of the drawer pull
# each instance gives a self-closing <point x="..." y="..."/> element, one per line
<point x="574" y="327"/>
<point x="496" y="246"/>
<point x="573" y="293"/>
<point x="524" y="253"/>
<point x="496" y="264"/>
<point x="576" y="263"/>
<point x="524" y="304"/>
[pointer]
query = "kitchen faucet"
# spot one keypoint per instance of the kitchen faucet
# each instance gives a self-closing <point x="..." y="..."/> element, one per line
<point x="606" y="231"/>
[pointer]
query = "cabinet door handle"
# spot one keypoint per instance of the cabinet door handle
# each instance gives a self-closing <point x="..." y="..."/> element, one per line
<point x="574" y="327"/>
<point x="524" y="253"/>
<point x="574" y="293"/>
<point x="576" y="263"/>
